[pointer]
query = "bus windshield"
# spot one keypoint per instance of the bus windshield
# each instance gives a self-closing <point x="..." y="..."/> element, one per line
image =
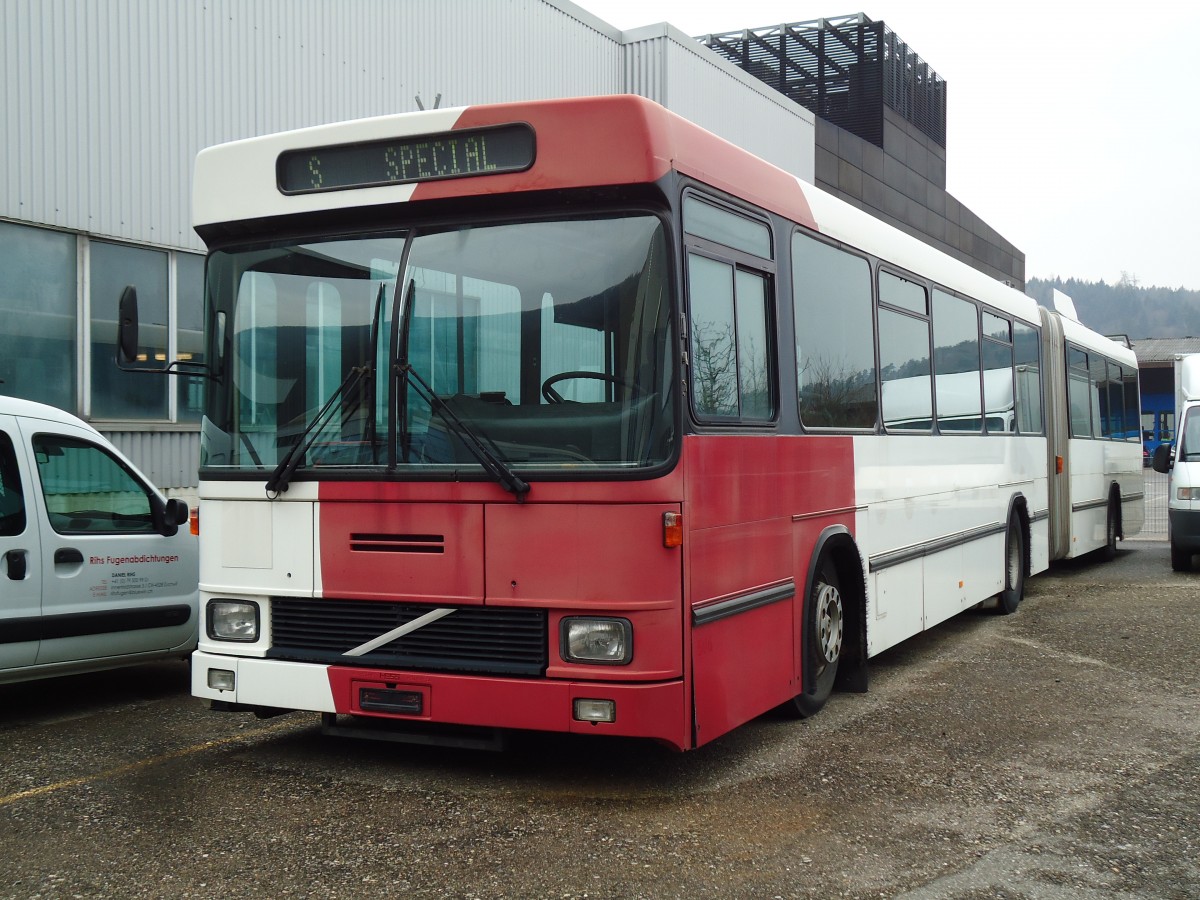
<point x="548" y="343"/>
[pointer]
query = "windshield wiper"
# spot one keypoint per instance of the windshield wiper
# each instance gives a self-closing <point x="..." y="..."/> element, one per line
<point x="282" y="476"/>
<point x="492" y="464"/>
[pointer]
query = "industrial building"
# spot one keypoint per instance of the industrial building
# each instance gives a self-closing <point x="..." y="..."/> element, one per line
<point x="106" y="104"/>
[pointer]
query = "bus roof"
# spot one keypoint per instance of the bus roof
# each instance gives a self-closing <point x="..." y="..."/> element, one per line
<point x="1084" y="337"/>
<point x="579" y="142"/>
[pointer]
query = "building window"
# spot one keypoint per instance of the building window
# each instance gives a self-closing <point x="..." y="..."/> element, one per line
<point x="117" y="394"/>
<point x="38" y="291"/>
<point x="189" y="347"/>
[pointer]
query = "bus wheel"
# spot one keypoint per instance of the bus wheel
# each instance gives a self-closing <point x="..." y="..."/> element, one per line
<point x="1014" y="569"/>
<point x="1109" y="551"/>
<point x="825" y="631"/>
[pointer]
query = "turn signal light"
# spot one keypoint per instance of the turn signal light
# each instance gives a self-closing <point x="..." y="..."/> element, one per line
<point x="672" y="530"/>
<point x="194" y="521"/>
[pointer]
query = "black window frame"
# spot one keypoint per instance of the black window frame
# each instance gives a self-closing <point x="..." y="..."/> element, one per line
<point x="738" y="261"/>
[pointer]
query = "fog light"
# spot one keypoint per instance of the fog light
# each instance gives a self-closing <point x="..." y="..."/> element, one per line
<point x="221" y="680"/>
<point x="595" y="710"/>
<point x="233" y="620"/>
<point x="604" y="641"/>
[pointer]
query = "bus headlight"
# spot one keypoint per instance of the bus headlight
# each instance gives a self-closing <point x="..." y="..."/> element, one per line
<point x="604" y="641"/>
<point x="1187" y="493"/>
<point x="233" y="620"/>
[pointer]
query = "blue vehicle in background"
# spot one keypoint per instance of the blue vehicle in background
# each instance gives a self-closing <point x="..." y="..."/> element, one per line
<point x="1158" y="422"/>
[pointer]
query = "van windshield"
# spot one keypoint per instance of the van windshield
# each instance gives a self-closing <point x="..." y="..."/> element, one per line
<point x="548" y="341"/>
<point x="1189" y="437"/>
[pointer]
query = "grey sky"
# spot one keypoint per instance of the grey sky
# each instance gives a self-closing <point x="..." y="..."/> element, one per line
<point x="1072" y="126"/>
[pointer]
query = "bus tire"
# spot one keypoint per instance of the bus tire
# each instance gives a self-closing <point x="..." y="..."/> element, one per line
<point x="1181" y="560"/>
<point x="1112" y="528"/>
<point x="1013" y="593"/>
<point x="824" y="637"/>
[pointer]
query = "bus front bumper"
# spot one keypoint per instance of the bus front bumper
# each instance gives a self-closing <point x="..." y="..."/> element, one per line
<point x="657" y="711"/>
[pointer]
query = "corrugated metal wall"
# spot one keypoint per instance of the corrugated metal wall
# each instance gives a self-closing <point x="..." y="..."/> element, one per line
<point x="170" y="459"/>
<point x="105" y="103"/>
<point x="670" y="68"/>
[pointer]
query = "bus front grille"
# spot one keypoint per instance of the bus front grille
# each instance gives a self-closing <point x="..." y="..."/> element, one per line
<point x="475" y="640"/>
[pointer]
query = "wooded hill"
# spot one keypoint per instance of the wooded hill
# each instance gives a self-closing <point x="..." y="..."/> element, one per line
<point x="1126" y="307"/>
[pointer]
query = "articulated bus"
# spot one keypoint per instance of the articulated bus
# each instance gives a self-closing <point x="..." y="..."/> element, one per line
<point x="571" y="416"/>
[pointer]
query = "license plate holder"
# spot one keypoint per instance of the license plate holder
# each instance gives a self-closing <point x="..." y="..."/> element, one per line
<point x="393" y="701"/>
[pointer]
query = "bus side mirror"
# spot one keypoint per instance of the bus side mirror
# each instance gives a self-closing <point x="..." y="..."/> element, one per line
<point x="127" y="326"/>
<point x="127" y="342"/>
<point x="1161" y="462"/>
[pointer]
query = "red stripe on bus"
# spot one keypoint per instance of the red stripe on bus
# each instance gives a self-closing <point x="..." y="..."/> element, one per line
<point x="622" y="139"/>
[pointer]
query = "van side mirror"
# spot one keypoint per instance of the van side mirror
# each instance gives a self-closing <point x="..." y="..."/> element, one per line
<point x="127" y="326"/>
<point x="169" y="516"/>
<point x="1161" y="461"/>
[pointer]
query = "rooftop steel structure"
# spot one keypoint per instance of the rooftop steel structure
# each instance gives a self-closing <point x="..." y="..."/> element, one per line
<point x="845" y="69"/>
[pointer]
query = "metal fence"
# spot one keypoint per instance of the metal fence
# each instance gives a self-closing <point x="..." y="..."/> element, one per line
<point x="1155" y="490"/>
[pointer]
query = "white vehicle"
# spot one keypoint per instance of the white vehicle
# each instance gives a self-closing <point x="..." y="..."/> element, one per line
<point x="1094" y="441"/>
<point x="1183" y="462"/>
<point x="95" y="570"/>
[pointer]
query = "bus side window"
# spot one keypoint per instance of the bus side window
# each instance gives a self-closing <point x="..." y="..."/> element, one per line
<point x="956" y="363"/>
<point x="904" y="355"/>
<point x="1115" y="425"/>
<point x="732" y="324"/>
<point x="835" y="336"/>
<point x="732" y="365"/>
<point x="1098" y="380"/>
<point x="1029" y="378"/>
<point x="1079" y="394"/>
<point x="12" y="498"/>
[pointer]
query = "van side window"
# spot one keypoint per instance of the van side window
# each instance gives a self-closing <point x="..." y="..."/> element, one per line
<point x="88" y="491"/>
<point x="12" y="498"/>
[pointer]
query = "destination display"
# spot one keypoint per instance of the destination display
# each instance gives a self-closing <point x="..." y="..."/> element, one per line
<point x="452" y="154"/>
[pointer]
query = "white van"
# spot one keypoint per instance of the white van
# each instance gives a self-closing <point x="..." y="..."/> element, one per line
<point x="1182" y="460"/>
<point x="95" y="571"/>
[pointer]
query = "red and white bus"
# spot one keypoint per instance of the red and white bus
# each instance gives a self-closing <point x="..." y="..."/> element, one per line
<point x="571" y="416"/>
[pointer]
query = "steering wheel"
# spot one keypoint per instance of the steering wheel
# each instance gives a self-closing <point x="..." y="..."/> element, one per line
<point x="553" y="396"/>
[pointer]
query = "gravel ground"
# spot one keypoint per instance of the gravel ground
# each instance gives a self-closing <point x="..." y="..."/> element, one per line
<point x="1043" y="755"/>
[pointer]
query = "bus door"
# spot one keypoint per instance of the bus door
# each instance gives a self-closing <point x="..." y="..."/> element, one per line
<point x="21" y="593"/>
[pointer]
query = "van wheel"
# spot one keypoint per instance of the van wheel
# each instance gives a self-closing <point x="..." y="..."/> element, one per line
<point x="1181" y="560"/>
<point x="1109" y="551"/>
<point x="1014" y="569"/>
<point x="824" y="635"/>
